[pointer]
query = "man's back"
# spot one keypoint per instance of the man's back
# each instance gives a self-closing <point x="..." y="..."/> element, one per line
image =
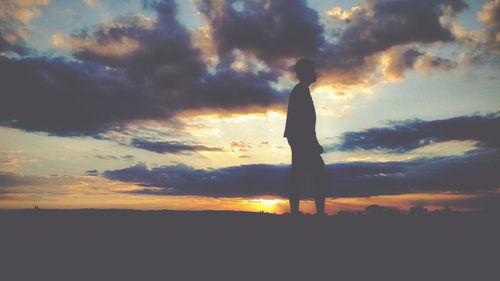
<point x="301" y="115"/>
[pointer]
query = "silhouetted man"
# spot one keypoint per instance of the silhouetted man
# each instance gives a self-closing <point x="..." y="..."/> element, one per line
<point x="301" y="134"/>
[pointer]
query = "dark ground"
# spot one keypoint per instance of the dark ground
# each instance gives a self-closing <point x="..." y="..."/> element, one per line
<point x="172" y="245"/>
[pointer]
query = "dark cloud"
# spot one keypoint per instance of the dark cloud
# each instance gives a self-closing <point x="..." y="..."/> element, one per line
<point x="170" y="147"/>
<point x="410" y="56"/>
<point x="454" y="6"/>
<point x="228" y="89"/>
<point x="386" y="23"/>
<point x="160" y="51"/>
<point x="71" y="98"/>
<point x="92" y="173"/>
<point x="270" y="29"/>
<point x="405" y="136"/>
<point x="226" y="182"/>
<point x="473" y="172"/>
<point x="165" y="56"/>
<point x="16" y="48"/>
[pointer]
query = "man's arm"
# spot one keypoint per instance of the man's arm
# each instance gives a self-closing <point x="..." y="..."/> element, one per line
<point x="300" y="129"/>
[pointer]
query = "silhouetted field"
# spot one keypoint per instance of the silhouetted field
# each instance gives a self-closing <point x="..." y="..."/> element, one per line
<point x="168" y="245"/>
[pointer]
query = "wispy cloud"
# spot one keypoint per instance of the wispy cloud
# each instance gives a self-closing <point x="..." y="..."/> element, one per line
<point x="171" y="147"/>
<point x="401" y="137"/>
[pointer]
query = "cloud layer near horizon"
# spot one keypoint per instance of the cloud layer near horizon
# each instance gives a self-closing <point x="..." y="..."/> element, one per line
<point x="472" y="173"/>
<point x="477" y="170"/>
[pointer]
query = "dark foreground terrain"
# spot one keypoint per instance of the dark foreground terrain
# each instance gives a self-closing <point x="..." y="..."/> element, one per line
<point x="172" y="245"/>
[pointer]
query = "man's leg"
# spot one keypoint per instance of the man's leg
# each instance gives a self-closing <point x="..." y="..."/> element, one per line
<point x="320" y="185"/>
<point x="296" y="180"/>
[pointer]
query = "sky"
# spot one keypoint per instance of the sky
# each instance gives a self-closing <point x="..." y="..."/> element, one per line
<point x="182" y="104"/>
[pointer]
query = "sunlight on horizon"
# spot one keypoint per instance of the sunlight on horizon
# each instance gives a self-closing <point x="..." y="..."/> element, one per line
<point x="266" y="204"/>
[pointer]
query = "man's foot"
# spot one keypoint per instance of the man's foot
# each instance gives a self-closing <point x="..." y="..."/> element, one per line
<point x="297" y="213"/>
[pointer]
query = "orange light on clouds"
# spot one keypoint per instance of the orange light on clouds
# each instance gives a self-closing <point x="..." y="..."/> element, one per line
<point x="340" y="14"/>
<point x="236" y="117"/>
<point x="332" y="93"/>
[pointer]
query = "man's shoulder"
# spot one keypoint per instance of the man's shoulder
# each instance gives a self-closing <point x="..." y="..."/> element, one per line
<point x="299" y="90"/>
<point x="300" y="87"/>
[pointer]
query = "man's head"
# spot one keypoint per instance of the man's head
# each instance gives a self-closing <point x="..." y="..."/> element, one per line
<point x="305" y="70"/>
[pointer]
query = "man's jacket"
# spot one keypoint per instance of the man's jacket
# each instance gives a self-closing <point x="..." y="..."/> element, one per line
<point x="300" y="126"/>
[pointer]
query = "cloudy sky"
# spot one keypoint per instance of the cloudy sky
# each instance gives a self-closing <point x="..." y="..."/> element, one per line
<point x="182" y="104"/>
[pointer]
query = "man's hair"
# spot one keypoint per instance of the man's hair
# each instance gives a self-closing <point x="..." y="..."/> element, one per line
<point x="303" y="67"/>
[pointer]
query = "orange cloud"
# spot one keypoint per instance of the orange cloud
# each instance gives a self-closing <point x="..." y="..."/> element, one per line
<point x="15" y="17"/>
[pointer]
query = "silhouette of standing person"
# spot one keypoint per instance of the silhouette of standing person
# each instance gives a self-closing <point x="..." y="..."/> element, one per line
<point x="301" y="134"/>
